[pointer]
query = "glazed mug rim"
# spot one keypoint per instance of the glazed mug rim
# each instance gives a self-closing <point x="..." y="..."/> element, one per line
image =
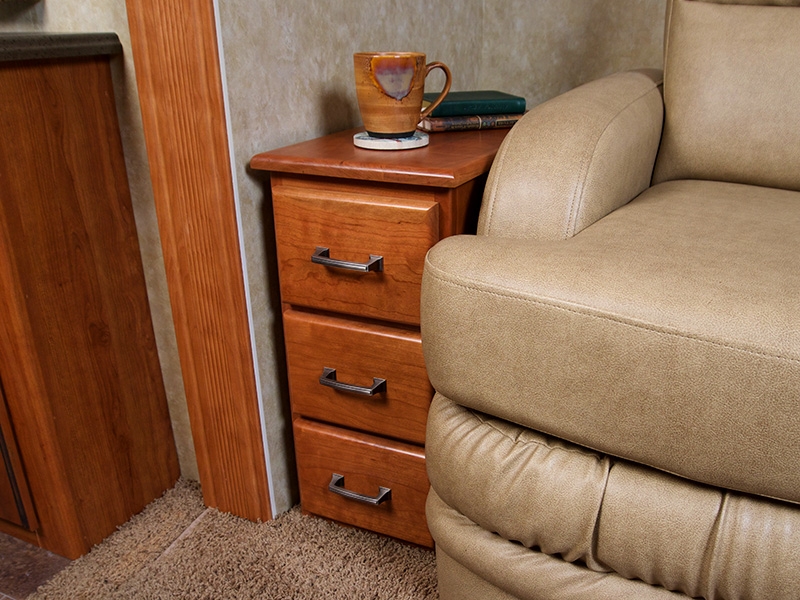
<point x="398" y="53"/>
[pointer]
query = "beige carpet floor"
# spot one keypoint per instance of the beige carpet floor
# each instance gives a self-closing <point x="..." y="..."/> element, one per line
<point x="177" y="548"/>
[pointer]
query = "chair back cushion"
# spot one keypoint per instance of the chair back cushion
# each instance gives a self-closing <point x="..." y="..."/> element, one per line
<point x="732" y="92"/>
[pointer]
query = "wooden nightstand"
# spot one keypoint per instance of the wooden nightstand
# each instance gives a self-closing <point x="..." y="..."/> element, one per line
<point x="352" y="228"/>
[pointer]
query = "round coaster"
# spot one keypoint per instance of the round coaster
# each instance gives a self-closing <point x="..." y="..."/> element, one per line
<point x="417" y="140"/>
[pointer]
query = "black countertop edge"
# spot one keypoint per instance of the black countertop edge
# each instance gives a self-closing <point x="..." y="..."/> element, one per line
<point x="32" y="46"/>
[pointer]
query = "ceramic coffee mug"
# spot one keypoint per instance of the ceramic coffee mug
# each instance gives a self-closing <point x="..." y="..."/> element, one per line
<point x="389" y="87"/>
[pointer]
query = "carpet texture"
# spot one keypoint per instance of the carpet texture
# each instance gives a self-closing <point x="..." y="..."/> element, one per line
<point x="177" y="548"/>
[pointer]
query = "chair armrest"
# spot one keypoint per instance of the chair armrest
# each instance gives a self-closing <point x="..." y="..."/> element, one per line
<point x="576" y="158"/>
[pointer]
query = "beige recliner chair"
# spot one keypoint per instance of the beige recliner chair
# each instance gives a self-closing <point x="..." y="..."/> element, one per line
<point x="616" y="354"/>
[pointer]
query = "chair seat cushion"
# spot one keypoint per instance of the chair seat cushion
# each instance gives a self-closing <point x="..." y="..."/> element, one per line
<point x="667" y="333"/>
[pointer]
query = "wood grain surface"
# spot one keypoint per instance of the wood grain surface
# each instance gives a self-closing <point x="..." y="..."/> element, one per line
<point x="367" y="463"/>
<point x="359" y="351"/>
<point x="400" y="227"/>
<point x="449" y="160"/>
<point x="183" y="112"/>
<point x="328" y="193"/>
<point x="16" y="503"/>
<point x="78" y="359"/>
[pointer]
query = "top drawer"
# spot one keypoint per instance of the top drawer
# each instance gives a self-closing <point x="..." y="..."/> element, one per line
<point x="355" y="224"/>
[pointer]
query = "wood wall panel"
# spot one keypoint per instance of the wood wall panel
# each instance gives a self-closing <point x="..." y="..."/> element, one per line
<point x="180" y="90"/>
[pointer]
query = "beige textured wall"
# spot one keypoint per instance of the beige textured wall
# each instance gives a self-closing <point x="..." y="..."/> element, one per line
<point x="541" y="48"/>
<point x="289" y="77"/>
<point x="102" y="16"/>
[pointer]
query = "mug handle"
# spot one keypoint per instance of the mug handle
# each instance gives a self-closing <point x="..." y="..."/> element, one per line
<point x="448" y="80"/>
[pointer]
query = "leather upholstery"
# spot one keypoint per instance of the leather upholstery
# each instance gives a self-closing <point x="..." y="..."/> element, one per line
<point x="575" y="175"/>
<point x="661" y="346"/>
<point x="606" y="515"/>
<point x="507" y="571"/>
<point x="616" y="354"/>
<point x="734" y="119"/>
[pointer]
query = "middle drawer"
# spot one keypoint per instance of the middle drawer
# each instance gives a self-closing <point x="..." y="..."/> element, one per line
<point x="364" y="376"/>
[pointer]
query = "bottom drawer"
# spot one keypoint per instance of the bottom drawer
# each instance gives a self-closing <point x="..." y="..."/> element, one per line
<point x="369" y="465"/>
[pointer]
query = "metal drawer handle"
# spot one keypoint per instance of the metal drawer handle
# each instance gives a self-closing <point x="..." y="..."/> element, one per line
<point x="337" y="487"/>
<point x="328" y="378"/>
<point x="322" y="256"/>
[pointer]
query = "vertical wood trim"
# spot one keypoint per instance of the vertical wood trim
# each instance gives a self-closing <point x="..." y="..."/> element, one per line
<point x="180" y="89"/>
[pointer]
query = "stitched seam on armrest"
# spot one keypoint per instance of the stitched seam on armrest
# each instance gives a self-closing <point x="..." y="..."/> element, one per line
<point x="580" y="185"/>
<point x="553" y="304"/>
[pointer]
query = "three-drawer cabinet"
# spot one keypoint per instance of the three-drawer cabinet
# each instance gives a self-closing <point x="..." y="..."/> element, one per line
<point x="352" y="228"/>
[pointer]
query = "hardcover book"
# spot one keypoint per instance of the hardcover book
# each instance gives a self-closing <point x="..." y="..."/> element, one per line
<point x="463" y="123"/>
<point x="476" y="102"/>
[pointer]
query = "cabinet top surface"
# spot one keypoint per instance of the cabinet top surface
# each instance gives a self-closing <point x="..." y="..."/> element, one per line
<point x="449" y="160"/>
<point x="35" y="46"/>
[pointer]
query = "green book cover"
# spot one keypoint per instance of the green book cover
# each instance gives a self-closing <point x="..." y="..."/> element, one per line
<point x="476" y="102"/>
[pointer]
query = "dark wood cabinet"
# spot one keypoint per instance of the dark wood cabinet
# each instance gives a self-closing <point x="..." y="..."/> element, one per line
<point x="84" y="420"/>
